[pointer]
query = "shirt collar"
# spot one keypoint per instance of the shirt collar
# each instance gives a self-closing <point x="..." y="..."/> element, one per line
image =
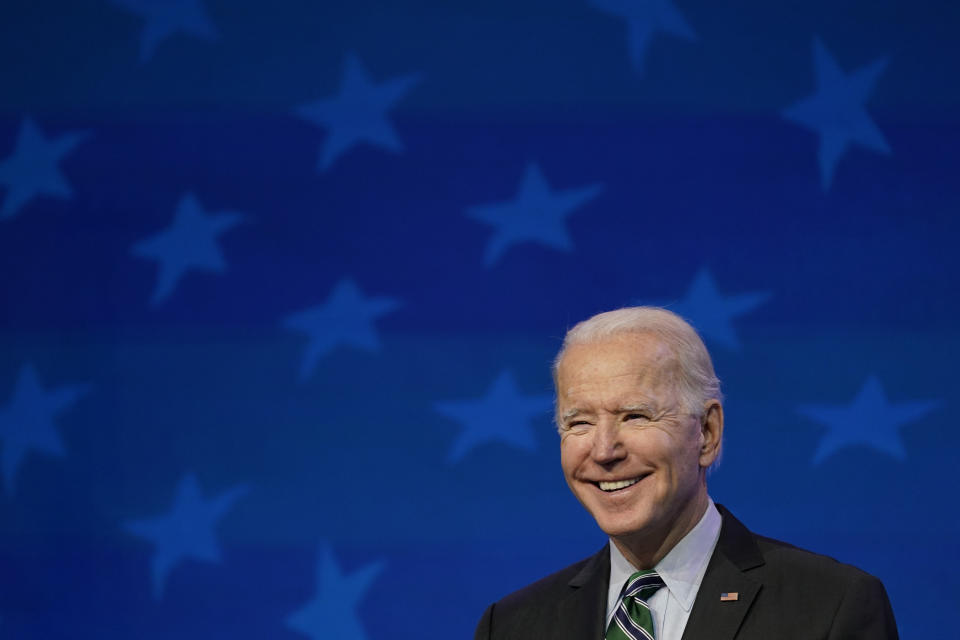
<point x="682" y="569"/>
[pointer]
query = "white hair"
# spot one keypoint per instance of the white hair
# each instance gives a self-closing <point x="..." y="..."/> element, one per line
<point x="695" y="376"/>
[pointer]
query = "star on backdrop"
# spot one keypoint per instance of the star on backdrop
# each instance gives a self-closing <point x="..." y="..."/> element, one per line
<point x="189" y="243"/>
<point x="502" y="415"/>
<point x="333" y="612"/>
<point x="186" y="532"/>
<point x="164" y="19"/>
<point x="358" y="113"/>
<point x="869" y="420"/>
<point x="645" y="18"/>
<point x="346" y="318"/>
<point x="836" y="111"/>
<point x="536" y="214"/>
<point x="33" y="169"/>
<point x="712" y="312"/>
<point x="27" y="421"/>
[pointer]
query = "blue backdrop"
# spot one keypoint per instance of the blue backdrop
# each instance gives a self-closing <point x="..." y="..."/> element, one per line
<point x="282" y="282"/>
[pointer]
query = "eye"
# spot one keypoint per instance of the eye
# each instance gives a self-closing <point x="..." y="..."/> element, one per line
<point x="578" y="424"/>
<point x="633" y="417"/>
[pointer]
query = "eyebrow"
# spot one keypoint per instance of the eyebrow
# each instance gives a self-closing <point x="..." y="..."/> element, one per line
<point x="635" y="407"/>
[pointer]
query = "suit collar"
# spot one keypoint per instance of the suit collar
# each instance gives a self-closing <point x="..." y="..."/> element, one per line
<point x="581" y="612"/>
<point x="736" y="554"/>
<point x="737" y="542"/>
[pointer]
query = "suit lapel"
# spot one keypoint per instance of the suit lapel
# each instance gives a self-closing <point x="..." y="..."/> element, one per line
<point x="581" y="613"/>
<point x="735" y="554"/>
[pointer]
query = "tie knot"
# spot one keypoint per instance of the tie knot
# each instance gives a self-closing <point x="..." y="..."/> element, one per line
<point x="642" y="584"/>
<point x="633" y="619"/>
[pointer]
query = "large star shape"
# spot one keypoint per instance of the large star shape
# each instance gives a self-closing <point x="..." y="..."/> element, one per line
<point x="346" y="318"/>
<point x="164" y="18"/>
<point x="536" y="214"/>
<point x="27" y="421"/>
<point x="836" y="111"/>
<point x="358" y="113"/>
<point x="712" y="312"/>
<point x="333" y="612"/>
<point x="644" y="18"/>
<point x="186" y="532"/>
<point x="869" y="420"/>
<point x="33" y="169"/>
<point x="502" y="415"/>
<point x="190" y="242"/>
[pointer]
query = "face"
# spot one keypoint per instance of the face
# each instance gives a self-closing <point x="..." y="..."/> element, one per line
<point x="630" y="452"/>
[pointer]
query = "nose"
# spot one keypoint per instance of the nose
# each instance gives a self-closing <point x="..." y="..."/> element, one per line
<point x="607" y="447"/>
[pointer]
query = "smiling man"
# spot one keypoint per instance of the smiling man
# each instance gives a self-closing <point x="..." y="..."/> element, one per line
<point x="640" y="416"/>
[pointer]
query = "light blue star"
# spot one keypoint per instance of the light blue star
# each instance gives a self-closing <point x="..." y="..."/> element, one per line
<point x="333" y="611"/>
<point x="346" y="318"/>
<point x="358" y="113"/>
<point x="502" y="415"/>
<point x="190" y="242"/>
<point x="836" y="111"/>
<point x="33" y="169"/>
<point x="536" y="214"/>
<point x="711" y="312"/>
<point x="27" y="421"/>
<point x="870" y="420"/>
<point x="166" y="17"/>
<point x="644" y="18"/>
<point x="186" y="532"/>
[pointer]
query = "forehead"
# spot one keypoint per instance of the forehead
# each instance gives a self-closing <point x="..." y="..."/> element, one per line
<point x="630" y="363"/>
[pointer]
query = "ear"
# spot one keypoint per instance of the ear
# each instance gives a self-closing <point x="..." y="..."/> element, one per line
<point x="711" y="432"/>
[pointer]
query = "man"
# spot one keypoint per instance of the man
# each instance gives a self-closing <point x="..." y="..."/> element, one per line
<point x="640" y="418"/>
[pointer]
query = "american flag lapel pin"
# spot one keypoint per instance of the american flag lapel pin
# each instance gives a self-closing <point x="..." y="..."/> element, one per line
<point x="729" y="597"/>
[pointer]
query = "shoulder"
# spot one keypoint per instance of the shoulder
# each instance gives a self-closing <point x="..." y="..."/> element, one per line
<point x="566" y="603"/>
<point x="549" y="587"/>
<point x="791" y="574"/>
<point x="778" y="559"/>
<point x="840" y="599"/>
<point x="792" y="557"/>
<point x="834" y="599"/>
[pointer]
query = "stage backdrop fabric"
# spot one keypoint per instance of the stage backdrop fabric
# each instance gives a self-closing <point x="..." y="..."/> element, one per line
<point x="283" y="281"/>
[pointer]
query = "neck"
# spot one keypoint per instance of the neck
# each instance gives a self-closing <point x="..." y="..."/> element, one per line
<point x="645" y="549"/>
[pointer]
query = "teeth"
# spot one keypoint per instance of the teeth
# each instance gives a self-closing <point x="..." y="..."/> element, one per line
<point x="619" y="484"/>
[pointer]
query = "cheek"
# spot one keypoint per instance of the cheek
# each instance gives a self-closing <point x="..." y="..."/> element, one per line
<point x="573" y="450"/>
<point x="674" y="456"/>
<point x="566" y="454"/>
<point x="685" y="468"/>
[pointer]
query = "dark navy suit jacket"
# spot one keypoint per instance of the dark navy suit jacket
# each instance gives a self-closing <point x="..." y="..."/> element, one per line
<point x="783" y="593"/>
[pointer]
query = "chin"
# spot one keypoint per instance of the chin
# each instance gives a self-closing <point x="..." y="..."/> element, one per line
<point x="617" y="526"/>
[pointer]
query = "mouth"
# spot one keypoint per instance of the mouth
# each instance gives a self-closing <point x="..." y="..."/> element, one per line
<point x="617" y="485"/>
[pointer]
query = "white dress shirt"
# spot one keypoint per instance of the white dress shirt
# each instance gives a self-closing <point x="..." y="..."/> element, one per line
<point x="682" y="570"/>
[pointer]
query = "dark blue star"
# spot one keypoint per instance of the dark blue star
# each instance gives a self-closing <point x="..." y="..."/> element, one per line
<point x="190" y="242"/>
<point x="711" y="312"/>
<point x="346" y="318"/>
<point x="27" y="421"/>
<point x="870" y="420"/>
<point x="165" y="18"/>
<point x="644" y="18"/>
<point x="836" y="111"/>
<point x="333" y="612"/>
<point x="359" y="113"/>
<point x="536" y="214"/>
<point x="502" y="415"/>
<point x="33" y="168"/>
<point x="186" y="532"/>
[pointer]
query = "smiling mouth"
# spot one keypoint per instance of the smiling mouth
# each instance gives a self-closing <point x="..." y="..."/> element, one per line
<point x="617" y="485"/>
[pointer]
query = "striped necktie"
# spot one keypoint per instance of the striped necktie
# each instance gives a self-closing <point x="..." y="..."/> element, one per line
<point x="633" y="620"/>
